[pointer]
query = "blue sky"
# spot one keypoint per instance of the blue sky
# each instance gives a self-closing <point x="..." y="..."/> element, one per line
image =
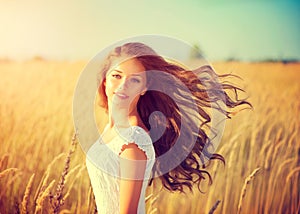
<point x="71" y="30"/>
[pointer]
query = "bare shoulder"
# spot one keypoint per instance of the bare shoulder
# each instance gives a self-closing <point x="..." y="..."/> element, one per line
<point x="133" y="152"/>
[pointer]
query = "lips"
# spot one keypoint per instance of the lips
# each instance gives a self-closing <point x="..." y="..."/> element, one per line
<point x="121" y="95"/>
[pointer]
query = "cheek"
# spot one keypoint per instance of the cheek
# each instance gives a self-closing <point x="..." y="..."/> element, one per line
<point x="110" y="85"/>
<point x="136" y="91"/>
<point x="108" y="89"/>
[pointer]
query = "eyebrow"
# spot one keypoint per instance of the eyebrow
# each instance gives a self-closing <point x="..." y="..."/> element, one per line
<point x="119" y="71"/>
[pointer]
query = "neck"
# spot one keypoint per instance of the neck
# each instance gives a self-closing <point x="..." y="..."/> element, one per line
<point x="123" y="118"/>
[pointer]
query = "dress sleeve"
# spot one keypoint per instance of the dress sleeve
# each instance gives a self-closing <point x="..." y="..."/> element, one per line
<point x="143" y="141"/>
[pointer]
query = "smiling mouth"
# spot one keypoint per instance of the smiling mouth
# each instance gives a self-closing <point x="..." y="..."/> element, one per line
<point x="121" y="95"/>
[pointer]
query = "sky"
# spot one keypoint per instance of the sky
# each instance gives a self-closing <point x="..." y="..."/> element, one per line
<point x="76" y="30"/>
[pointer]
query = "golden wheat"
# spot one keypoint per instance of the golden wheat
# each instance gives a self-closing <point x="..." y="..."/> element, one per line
<point x="42" y="198"/>
<point x="243" y="192"/>
<point x="9" y="181"/>
<point x="7" y="171"/>
<point x="4" y="161"/>
<point x="44" y="179"/>
<point x="58" y="199"/>
<point x="25" y="200"/>
<point x="266" y="137"/>
<point x="70" y="186"/>
<point x="294" y="171"/>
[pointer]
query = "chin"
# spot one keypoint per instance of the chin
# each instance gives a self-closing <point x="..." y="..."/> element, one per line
<point x="120" y="104"/>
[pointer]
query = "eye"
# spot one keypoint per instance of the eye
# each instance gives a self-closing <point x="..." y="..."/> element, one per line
<point x="135" y="80"/>
<point x="117" y="76"/>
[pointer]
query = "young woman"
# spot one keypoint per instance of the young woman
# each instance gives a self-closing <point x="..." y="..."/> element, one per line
<point x="158" y="124"/>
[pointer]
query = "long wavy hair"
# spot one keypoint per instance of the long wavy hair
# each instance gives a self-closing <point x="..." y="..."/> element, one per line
<point x="206" y="93"/>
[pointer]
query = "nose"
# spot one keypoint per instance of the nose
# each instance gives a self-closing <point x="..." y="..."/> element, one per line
<point x="124" y="84"/>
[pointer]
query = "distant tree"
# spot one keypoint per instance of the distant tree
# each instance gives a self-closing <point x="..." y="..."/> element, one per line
<point x="196" y="52"/>
<point x="282" y="60"/>
<point x="231" y="59"/>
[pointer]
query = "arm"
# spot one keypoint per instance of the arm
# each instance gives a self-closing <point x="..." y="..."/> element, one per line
<point x="131" y="174"/>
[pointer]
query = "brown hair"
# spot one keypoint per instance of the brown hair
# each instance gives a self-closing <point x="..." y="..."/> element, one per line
<point x="206" y="92"/>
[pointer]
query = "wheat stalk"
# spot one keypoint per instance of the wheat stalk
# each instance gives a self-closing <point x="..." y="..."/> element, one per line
<point x="277" y="148"/>
<point x="72" y="171"/>
<point x="291" y="139"/>
<point x="152" y="197"/>
<point x="4" y="161"/>
<point x="279" y="134"/>
<point x="243" y="192"/>
<point x="212" y="210"/>
<point x="9" y="182"/>
<point x="283" y="164"/>
<point x="89" y="198"/>
<point x="79" y="173"/>
<point x="264" y="148"/>
<point x="78" y="209"/>
<point x="25" y="200"/>
<point x="41" y="199"/>
<point x="92" y="208"/>
<point x="292" y="173"/>
<point x="154" y="210"/>
<point x="44" y="180"/>
<point x="57" y="200"/>
<point x="268" y="133"/>
<point x="268" y="157"/>
<point x="148" y="197"/>
<point x="42" y="186"/>
<point x="228" y="181"/>
<point x="7" y="171"/>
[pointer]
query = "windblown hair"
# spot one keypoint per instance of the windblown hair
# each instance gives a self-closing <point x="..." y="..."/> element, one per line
<point x="206" y="92"/>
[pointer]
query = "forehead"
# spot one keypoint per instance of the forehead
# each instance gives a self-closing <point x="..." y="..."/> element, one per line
<point x="131" y="66"/>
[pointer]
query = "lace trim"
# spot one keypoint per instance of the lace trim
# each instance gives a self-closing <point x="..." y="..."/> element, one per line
<point x="138" y="137"/>
<point x="124" y="146"/>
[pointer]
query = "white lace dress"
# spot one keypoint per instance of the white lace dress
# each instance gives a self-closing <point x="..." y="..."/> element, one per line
<point x="103" y="165"/>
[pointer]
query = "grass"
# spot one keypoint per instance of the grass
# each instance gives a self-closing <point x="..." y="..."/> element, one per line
<point x="40" y="172"/>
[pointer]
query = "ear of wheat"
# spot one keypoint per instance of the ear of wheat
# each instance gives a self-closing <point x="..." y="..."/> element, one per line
<point x="42" y="185"/>
<point x="3" y="162"/>
<point x="243" y="192"/>
<point x="7" y="171"/>
<point x="57" y="200"/>
<point x="42" y="197"/>
<point x="25" y="200"/>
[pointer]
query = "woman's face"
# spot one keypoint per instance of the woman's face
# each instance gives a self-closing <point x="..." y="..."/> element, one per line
<point x="125" y="83"/>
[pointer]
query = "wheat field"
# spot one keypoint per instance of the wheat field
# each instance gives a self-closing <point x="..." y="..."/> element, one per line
<point x="42" y="167"/>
